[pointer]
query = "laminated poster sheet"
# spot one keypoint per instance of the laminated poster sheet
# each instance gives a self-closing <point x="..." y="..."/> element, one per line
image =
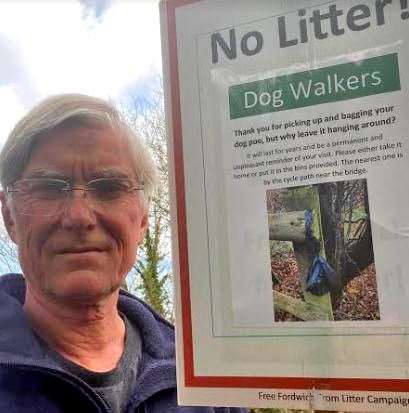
<point x="289" y="125"/>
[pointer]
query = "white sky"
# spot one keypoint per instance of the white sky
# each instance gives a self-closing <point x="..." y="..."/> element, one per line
<point x="98" y="47"/>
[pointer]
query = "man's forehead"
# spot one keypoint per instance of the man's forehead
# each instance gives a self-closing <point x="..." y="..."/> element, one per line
<point x="85" y="133"/>
<point x="102" y="152"/>
<point x="97" y="137"/>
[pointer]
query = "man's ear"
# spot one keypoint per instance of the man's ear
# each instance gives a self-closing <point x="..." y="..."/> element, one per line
<point x="144" y="227"/>
<point x="7" y="217"/>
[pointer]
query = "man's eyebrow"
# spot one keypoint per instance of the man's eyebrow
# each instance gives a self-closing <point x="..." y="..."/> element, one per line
<point x="102" y="173"/>
<point x="44" y="173"/>
<point x="110" y="173"/>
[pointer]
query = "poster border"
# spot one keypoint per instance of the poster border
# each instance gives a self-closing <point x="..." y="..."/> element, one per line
<point x="192" y="380"/>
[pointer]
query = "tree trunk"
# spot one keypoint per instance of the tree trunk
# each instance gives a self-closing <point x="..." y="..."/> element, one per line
<point x="358" y="254"/>
<point x="326" y="196"/>
<point x="339" y="228"/>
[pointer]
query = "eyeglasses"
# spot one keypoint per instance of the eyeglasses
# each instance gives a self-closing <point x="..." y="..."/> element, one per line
<point x="46" y="196"/>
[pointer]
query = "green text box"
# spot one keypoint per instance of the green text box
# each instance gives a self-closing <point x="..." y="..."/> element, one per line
<point x="329" y="84"/>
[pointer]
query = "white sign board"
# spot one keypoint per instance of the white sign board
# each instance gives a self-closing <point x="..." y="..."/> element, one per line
<point x="288" y="124"/>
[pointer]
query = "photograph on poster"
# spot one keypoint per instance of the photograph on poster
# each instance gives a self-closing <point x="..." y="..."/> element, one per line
<point x="322" y="259"/>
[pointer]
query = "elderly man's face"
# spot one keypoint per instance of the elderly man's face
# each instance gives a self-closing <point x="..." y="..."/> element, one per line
<point x="84" y="251"/>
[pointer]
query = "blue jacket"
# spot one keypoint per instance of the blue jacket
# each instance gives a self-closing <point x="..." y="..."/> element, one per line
<point x="30" y="382"/>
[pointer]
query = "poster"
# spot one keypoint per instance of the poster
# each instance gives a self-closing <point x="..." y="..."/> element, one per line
<point x="288" y="143"/>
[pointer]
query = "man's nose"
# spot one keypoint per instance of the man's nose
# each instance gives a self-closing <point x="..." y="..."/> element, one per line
<point x="78" y="211"/>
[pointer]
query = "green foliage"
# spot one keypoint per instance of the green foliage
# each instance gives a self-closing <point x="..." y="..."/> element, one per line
<point x="153" y="279"/>
<point x="358" y="214"/>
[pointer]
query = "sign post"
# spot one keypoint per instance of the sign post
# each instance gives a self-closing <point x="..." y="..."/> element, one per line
<point x="288" y="128"/>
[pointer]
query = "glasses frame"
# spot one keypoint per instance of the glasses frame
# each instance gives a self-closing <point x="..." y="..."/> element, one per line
<point x="69" y="188"/>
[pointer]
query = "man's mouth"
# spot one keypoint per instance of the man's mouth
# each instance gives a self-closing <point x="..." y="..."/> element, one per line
<point x="81" y="250"/>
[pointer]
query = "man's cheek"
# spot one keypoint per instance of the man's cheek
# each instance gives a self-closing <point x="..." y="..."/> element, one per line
<point x="130" y="247"/>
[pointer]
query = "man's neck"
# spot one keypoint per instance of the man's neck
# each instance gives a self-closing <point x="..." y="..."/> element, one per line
<point x="90" y="335"/>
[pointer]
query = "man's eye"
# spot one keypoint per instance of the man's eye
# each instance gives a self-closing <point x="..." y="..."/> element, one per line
<point x="109" y="189"/>
<point x="46" y="189"/>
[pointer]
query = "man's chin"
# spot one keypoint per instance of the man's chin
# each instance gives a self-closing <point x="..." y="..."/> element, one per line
<point x="83" y="286"/>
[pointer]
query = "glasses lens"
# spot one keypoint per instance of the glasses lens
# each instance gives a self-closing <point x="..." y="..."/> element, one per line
<point x="40" y="196"/>
<point x="109" y="189"/>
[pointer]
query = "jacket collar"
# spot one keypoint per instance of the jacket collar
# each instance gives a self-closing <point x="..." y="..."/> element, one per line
<point x="17" y="340"/>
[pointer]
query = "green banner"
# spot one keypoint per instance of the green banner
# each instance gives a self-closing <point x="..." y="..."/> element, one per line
<point x="329" y="84"/>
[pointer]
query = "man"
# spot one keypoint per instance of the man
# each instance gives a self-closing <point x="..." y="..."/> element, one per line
<point x="76" y="188"/>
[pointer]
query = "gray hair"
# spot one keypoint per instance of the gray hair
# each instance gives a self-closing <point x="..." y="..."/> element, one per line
<point x="71" y="110"/>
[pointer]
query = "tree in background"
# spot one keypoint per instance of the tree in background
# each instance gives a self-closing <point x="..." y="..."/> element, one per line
<point x="151" y="275"/>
